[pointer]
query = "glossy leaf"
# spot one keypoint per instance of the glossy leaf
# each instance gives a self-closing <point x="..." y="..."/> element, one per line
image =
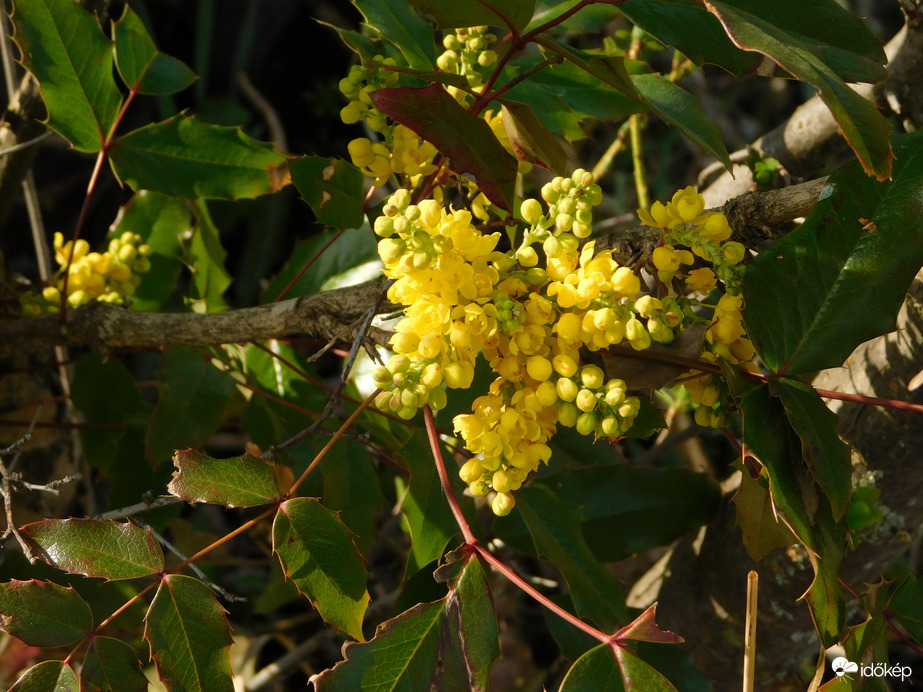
<point x="862" y="125"/>
<point x="840" y="278"/>
<point x="556" y="532"/>
<point x="625" y="509"/>
<point x="675" y="106"/>
<point x="644" y="628"/>
<point x="106" y="549"/>
<point x="318" y="554"/>
<point x="825" y="454"/>
<point x="192" y="397"/>
<point x="162" y="222"/>
<point x="244" y="481"/>
<point x="43" y="613"/>
<point x="756" y="517"/>
<point x="466" y="140"/>
<point x="464" y="13"/>
<point x="530" y="139"/>
<point x="107" y="406"/>
<point x="334" y="189"/>
<point x="111" y="664"/>
<point x="185" y="157"/>
<point x="189" y="636"/>
<point x="424" y="506"/>
<point x="47" y="676"/>
<point x="907" y="605"/>
<point x="609" y="70"/>
<point x="141" y="65"/>
<point x="395" y="20"/>
<point x="74" y="76"/>
<point x="640" y="676"/>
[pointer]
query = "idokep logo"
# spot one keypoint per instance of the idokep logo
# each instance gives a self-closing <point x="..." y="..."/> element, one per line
<point x="842" y="667"/>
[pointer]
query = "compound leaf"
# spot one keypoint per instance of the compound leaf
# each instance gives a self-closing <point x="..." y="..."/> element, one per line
<point x="141" y="65"/>
<point x="333" y="188"/>
<point x="397" y="21"/>
<point x="93" y="548"/>
<point x="318" y="554"/>
<point x="111" y="664"/>
<point x="244" y="481"/>
<point x="47" y="676"/>
<point x="43" y="613"/>
<point x="189" y="636"/>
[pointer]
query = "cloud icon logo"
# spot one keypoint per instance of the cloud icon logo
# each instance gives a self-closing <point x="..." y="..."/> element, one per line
<point x="841" y="666"/>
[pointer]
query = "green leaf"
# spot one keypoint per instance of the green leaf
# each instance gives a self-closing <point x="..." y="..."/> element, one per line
<point x="334" y="188"/>
<point x="675" y="106"/>
<point x="640" y="676"/>
<point x="318" y="554"/>
<point x="626" y="509"/>
<point x="465" y="13"/>
<point x="111" y="664"/>
<point x="403" y="655"/>
<point x="424" y="506"/>
<point x="162" y="222"/>
<point x="43" y="613"/>
<point x="762" y="531"/>
<point x="596" y="670"/>
<point x="244" y="481"/>
<point x="840" y="278"/>
<point x="141" y="65"/>
<point x="105" y="549"/>
<point x="531" y="140"/>
<point x="351" y="251"/>
<point x="205" y="257"/>
<point x="862" y="125"/>
<point x="826" y="455"/>
<point x="62" y="46"/>
<point x="907" y="605"/>
<point x="192" y="397"/>
<point x="465" y="139"/>
<point x="107" y="406"/>
<point x="352" y="488"/>
<point x="184" y="157"/>
<point x="868" y="641"/>
<point x="47" y="676"/>
<point x="189" y="636"/>
<point x="396" y="22"/>
<point x="556" y="532"/>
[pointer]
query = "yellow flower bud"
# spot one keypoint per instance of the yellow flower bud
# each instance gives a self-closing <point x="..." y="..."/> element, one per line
<point x="539" y="368"/>
<point x="502" y="504"/>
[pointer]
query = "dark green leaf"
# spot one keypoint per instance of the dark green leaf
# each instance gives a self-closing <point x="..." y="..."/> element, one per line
<point x="464" y="13"/>
<point x="840" y="278"/>
<point x="907" y="605"/>
<point x="607" y="69"/>
<point x="868" y="641"/>
<point x="192" y="397"/>
<point x="640" y="676"/>
<point x="244" y="481"/>
<point x="110" y="406"/>
<point x="556" y="530"/>
<point x="675" y="106"/>
<point x="762" y="531"/>
<point x="334" y="188"/>
<point x="205" y="258"/>
<point x="394" y="20"/>
<point x="403" y="655"/>
<point x="530" y="139"/>
<point x="627" y="509"/>
<point x="862" y="125"/>
<point x="318" y="554"/>
<point x="141" y="65"/>
<point x="62" y="46"/>
<point x="424" y="506"/>
<point x="94" y="548"/>
<point x="189" y="636"/>
<point x="826" y="455"/>
<point x="352" y="488"/>
<point x="43" y="613"/>
<point x="184" y="157"/>
<point x="466" y="140"/>
<point x="47" y="676"/>
<point x="596" y="670"/>
<point x="111" y="664"/>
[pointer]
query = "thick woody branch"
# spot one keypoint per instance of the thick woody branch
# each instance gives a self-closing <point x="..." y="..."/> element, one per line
<point x="330" y="316"/>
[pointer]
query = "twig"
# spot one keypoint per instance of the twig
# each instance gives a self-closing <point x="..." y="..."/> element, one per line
<point x="131" y="510"/>
<point x="750" y="631"/>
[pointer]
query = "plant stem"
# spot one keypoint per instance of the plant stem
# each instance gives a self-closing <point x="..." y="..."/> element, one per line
<point x="433" y="436"/>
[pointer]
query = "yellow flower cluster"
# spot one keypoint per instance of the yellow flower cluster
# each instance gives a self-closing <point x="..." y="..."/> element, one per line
<point x="685" y="223"/>
<point x="467" y="49"/>
<point x="109" y="276"/>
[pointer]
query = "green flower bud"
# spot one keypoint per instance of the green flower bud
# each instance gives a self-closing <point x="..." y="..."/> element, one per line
<point x="586" y="424"/>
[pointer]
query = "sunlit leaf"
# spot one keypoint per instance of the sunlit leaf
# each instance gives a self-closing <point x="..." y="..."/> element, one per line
<point x="205" y="258"/>
<point x="395" y="20"/>
<point x="334" y="188"/>
<point x="74" y="75"/>
<point x="141" y="65"/>
<point x="43" y="613"/>
<point x="106" y="549"/>
<point x="185" y="157"/>
<point x="244" y="481"/>
<point x="841" y="277"/>
<point x="318" y="554"/>
<point x="762" y="531"/>
<point x="644" y="628"/>
<point x="530" y="139"/>
<point x="47" y="676"/>
<point x="111" y="664"/>
<point x="465" y="13"/>
<point x="189" y="636"/>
